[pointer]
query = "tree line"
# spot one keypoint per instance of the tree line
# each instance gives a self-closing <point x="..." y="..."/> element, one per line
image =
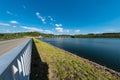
<point x="102" y="35"/>
<point x="5" y="36"/>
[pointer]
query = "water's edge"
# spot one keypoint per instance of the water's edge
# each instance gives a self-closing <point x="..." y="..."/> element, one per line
<point x="89" y="61"/>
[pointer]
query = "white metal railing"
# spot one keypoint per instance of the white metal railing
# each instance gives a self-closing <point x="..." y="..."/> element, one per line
<point x="15" y="64"/>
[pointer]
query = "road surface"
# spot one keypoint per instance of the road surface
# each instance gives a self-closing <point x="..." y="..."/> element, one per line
<point x="5" y="46"/>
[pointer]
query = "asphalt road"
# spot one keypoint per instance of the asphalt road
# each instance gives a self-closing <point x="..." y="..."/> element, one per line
<point x="5" y="46"/>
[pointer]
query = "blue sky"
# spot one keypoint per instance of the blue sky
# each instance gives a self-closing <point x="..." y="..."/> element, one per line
<point x="60" y="16"/>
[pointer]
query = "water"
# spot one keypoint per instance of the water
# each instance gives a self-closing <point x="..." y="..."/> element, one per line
<point x="104" y="51"/>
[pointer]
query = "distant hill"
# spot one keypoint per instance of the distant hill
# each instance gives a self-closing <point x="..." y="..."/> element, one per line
<point x="102" y="35"/>
<point x="5" y="36"/>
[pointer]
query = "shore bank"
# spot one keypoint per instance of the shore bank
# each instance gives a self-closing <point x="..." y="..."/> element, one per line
<point x="67" y="66"/>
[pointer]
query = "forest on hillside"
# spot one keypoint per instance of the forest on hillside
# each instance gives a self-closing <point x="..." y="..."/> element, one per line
<point x="6" y="36"/>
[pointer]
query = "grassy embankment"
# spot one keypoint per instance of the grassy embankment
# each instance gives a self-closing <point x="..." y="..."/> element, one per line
<point x="66" y="66"/>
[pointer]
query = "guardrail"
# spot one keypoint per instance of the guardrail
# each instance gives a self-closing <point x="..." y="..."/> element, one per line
<point x="15" y="64"/>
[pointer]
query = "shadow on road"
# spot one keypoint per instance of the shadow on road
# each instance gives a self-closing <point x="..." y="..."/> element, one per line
<point x="39" y="69"/>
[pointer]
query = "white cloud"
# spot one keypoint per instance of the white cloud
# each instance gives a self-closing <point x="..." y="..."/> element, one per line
<point x="58" y="25"/>
<point x="110" y="30"/>
<point x="67" y="30"/>
<point x="14" y="26"/>
<point x="51" y="24"/>
<point x="8" y="12"/>
<point x="59" y="29"/>
<point x="47" y="31"/>
<point x="40" y="17"/>
<point x="77" y="31"/>
<point x="14" y="22"/>
<point x="7" y="31"/>
<point x="31" y="28"/>
<point x="4" y="24"/>
<point x="50" y="18"/>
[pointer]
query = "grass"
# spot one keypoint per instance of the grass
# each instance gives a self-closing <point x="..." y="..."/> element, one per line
<point x="39" y="69"/>
<point x="66" y="66"/>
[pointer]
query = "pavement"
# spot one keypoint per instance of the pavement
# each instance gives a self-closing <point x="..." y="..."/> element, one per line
<point x="7" y="45"/>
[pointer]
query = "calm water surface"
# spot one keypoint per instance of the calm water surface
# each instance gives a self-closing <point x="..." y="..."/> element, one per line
<point x="105" y="51"/>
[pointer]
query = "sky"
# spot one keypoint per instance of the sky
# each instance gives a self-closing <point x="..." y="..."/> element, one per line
<point x="60" y="16"/>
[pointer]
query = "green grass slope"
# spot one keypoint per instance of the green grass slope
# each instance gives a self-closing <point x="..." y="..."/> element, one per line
<point x="66" y="66"/>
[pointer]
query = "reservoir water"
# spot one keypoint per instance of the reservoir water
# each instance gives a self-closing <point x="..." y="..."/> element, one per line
<point x="104" y="51"/>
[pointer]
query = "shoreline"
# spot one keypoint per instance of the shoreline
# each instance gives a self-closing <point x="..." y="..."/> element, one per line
<point x="66" y="65"/>
<point x="91" y="62"/>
